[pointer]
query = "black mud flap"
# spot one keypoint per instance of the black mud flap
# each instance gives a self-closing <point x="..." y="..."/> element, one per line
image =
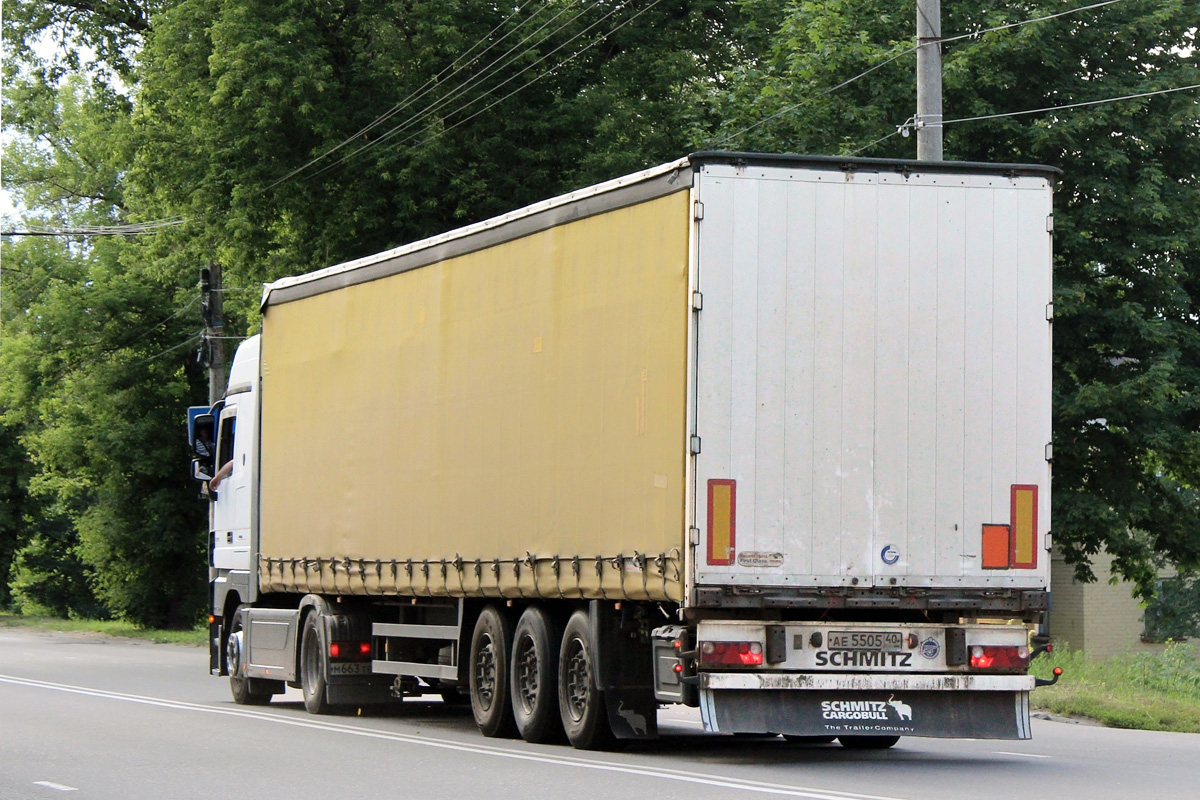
<point x="632" y="713"/>
<point x="624" y="669"/>
<point x="941" y="714"/>
<point x="216" y="648"/>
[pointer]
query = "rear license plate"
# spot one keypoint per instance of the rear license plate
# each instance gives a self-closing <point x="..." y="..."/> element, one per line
<point x="350" y="669"/>
<point x="866" y="640"/>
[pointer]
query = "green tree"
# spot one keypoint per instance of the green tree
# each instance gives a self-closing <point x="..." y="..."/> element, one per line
<point x="94" y="371"/>
<point x="1127" y="264"/>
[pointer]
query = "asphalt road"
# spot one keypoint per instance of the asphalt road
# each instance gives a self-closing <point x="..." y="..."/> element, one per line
<point x="90" y="717"/>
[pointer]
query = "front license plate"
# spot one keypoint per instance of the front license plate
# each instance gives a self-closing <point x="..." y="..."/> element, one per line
<point x="866" y="640"/>
<point x="350" y="669"/>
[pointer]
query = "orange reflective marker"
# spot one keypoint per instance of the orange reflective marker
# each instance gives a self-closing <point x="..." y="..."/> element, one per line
<point x="722" y="525"/>
<point x="997" y="546"/>
<point x="1024" y="526"/>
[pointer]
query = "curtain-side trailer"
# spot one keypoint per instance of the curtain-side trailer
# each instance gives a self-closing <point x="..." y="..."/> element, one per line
<point x="766" y="435"/>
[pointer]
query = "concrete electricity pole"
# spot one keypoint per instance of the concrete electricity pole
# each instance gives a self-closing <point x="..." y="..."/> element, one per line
<point x="929" y="80"/>
<point x="212" y="309"/>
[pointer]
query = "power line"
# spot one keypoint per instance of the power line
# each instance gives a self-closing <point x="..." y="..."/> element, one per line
<point x="979" y="33"/>
<point x="1073" y="105"/>
<point x="907" y="124"/>
<point x="909" y="51"/>
<point x="457" y="91"/>
<point x="548" y="72"/>
<point x="420" y="91"/>
<point x="435" y="106"/>
<point x="194" y="338"/>
<point x="872" y="144"/>
<point x="128" y="229"/>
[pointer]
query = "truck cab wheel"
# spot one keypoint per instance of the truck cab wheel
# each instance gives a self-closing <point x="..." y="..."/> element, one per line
<point x="246" y="691"/>
<point x="534" y="677"/>
<point x="313" y="667"/>
<point x="491" y="643"/>
<point x="581" y="704"/>
<point x="868" y="742"/>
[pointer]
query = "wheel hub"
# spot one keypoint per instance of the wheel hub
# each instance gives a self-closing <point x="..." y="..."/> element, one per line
<point x="233" y="654"/>
<point x="485" y="672"/>
<point x="527" y="674"/>
<point x="578" y="679"/>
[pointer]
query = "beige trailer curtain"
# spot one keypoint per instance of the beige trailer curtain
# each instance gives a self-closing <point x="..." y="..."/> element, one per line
<point x="510" y="422"/>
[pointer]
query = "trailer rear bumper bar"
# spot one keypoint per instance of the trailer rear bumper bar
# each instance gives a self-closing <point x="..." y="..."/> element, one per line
<point x="885" y="682"/>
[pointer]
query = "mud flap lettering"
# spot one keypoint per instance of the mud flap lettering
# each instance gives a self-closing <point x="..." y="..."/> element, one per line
<point x="940" y="714"/>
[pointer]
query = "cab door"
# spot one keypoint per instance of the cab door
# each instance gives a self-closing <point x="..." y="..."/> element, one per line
<point x="231" y="504"/>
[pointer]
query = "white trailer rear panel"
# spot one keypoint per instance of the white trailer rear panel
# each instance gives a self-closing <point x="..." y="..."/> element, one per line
<point x="872" y="376"/>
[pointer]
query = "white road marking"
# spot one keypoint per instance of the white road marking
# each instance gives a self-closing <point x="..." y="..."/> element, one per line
<point x="1023" y="755"/>
<point x="681" y="776"/>
<point x="56" y="786"/>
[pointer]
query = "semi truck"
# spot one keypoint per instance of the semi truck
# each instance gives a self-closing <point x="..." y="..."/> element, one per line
<point x="763" y="435"/>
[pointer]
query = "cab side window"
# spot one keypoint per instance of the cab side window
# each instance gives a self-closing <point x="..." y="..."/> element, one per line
<point x="225" y="440"/>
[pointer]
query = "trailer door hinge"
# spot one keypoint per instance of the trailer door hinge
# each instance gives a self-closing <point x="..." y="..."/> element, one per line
<point x="697" y="301"/>
<point x="1050" y="223"/>
<point x="698" y="211"/>
<point x="1049" y="312"/>
<point x="1050" y="451"/>
<point x="694" y="535"/>
<point x="695" y="445"/>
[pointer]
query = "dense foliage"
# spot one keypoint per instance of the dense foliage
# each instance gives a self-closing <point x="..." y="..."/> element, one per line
<point x="281" y="137"/>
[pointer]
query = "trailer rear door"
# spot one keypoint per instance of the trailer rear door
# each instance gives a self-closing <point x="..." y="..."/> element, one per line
<point x="872" y="377"/>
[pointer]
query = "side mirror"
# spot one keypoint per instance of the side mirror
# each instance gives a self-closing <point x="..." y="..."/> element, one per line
<point x="200" y="470"/>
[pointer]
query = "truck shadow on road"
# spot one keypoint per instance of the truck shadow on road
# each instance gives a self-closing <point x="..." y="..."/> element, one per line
<point x="678" y="740"/>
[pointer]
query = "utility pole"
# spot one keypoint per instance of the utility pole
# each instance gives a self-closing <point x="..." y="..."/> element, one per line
<point x="213" y="312"/>
<point x="929" y="80"/>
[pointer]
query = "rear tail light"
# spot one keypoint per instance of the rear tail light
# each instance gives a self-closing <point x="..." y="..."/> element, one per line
<point x="998" y="657"/>
<point x="735" y="654"/>
<point x="350" y="650"/>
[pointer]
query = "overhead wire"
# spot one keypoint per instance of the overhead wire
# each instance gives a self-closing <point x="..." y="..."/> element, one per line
<point x="908" y="51"/>
<point x="457" y="91"/>
<point x="462" y="107"/>
<point x="567" y="60"/>
<point x="125" y="229"/>
<point x="1065" y="106"/>
<point x="420" y="91"/>
<point x="1073" y="105"/>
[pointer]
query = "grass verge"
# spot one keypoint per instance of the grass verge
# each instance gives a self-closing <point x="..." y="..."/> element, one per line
<point x="197" y="636"/>
<point x="1146" y="691"/>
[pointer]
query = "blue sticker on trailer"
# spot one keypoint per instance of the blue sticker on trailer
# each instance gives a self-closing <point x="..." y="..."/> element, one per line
<point x="889" y="555"/>
<point x="930" y="648"/>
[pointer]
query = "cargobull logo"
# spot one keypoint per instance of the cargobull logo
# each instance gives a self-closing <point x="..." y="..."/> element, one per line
<point x="866" y="710"/>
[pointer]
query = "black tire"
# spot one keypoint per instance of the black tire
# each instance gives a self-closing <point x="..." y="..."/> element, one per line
<point x="581" y="704"/>
<point x="533" y="677"/>
<point x="868" y="742"/>
<point x="491" y="643"/>
<point x="313" y="666"/>
<point x="808" y="739"/>
<point x="246" y="691"/>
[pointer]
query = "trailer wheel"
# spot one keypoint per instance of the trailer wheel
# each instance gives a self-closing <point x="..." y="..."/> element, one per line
<point x="246" y="691"/>
<point x="534" y="677"/>
<point x="581" y="704"/>
<point x="491" y="643"/>
<point x="312" y="667"/>
<point x="868" y="742"/>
